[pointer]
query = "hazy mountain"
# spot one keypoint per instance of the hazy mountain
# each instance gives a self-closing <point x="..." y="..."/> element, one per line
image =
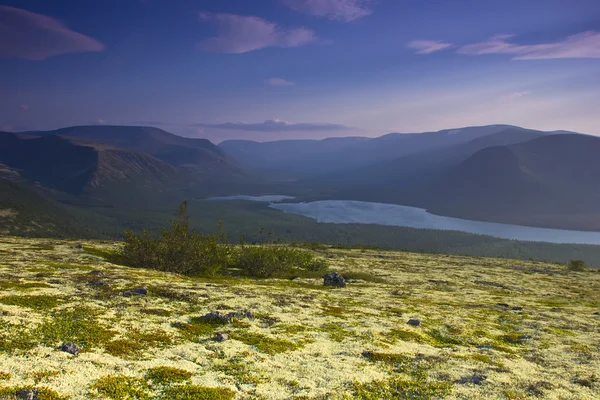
<point x="548" y="181"/>
<point x="398" y="180"/>
<point x="306" y="158"/>
<point x="199" y="154"/>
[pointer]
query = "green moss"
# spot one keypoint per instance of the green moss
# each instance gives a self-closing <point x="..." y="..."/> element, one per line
<point x="397" y="388"/>
<point x="335" y="331"/>
<point x="62" y="265"/>
<point x="38" y="303"/>
<point x="156" y="311"/>
<point x="5" y="376"/>
<point x="239" y="369"/>
<point x="198" y="328"/>
<point x="117" y="387"/>
<point x="136" y="341"/>
<point x="444" y="338"/>
<point x="405" y="335"/>
<point x="363" y="276"/>
<point x="38" y="247"/>
<point x="291" y="329"/>
<point x="332" y="311"/>
<point x="167" y="375"/>
<point x="39" y="376"/>
<point x="43" y="393"/>
<point x="22" y="286"/>
<point x="264" y="343"/>
<point x="194" y="392"/>
<point x="560" y="331"/>
<point x="78" y="325"/>
<point x="102" y="253"/>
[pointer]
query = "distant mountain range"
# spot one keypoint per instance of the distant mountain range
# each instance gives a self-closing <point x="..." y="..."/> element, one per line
<point x="498" y="173"/>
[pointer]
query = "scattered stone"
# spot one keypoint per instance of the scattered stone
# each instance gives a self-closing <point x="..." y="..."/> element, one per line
<point x="97" y="272"/>
<point x="70" y="348"/>
<point x="486" y="347"/>
<point x="334" y="279"/>
<point x="597" y="313"/>
<point x="55" y="282"/>
<point x="79" y="246"/>
<point x="136" y="292"/>
<point x="517" y="308"/>
<point x="473" y="379"/>
<point x="525" y="337"/>
<point x="502" y="305"/>
<point x="240" y="315"/>
<point x="414" y="322"/>
<point x="178" y="325"/>
<point x="367" y="354"/>
<point x="96" y="283"/>
<point x="221" y="337"/>
<point x="28" y="394"/>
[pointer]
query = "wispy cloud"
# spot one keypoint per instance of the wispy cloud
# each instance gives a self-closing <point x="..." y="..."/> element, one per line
<point x="241" y="34"/>
<point x="342" y="10"/>
<point x="275" y="125"/>
<point x="428" y="46"/>
<point x="581" y="45"/>
<point x="514" y="95"/>
<point x="278" y="82"/>
<point x="31" y="36"/>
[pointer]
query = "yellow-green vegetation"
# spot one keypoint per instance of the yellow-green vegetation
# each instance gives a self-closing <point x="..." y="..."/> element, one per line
<point x="489" y="328"/>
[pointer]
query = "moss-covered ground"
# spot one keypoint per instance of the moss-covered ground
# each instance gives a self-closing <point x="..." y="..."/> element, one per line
<point x="490" y="329"/>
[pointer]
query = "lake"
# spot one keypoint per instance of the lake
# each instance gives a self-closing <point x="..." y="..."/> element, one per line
<point x="347" y="211"/>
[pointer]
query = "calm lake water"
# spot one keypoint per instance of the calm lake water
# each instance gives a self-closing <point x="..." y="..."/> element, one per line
<point x="346" y="211"/>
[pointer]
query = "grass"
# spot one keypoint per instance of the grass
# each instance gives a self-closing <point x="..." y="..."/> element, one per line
<point x="38" y="303"/>
<point x="306" y="341"/>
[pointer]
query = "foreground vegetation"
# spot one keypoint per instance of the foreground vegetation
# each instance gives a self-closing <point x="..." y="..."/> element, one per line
<point x="489" y="328"/>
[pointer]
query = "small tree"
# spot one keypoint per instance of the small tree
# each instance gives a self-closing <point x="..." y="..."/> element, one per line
<point x="577" y="265"/>
<point x="178" y="249"/>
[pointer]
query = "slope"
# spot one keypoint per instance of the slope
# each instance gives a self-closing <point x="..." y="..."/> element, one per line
<point x="550" y="181"/>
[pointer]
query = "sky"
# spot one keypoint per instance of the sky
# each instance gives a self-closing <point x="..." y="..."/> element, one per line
<point x="288" y="69"/>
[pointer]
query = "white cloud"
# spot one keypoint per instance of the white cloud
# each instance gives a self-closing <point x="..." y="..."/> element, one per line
<point x="275" y="125"/>
<point x="428" y="46"/>
<point x="342" y="10"/>
<point x="278" y="82"/>
<point x="31" y="36"/>
<point x="241" y="34"/>
<point x="581" y="45"/>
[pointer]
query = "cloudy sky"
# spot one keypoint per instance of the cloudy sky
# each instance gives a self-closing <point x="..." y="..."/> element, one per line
<point x="278" y="69"/>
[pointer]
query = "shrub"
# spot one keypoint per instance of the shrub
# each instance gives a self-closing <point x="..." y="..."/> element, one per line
<point x="577" y="265"/>
<point x="279" y="262"/>
<point x="178" y="249"/>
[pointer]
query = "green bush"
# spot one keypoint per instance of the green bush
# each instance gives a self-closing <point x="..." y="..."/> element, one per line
<point x="279" y="262"/>
<point x="577" y="265"/>
<point x="178" y="249"/>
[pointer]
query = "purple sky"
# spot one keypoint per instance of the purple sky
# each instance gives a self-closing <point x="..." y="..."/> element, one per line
<point x="279" y="69"/>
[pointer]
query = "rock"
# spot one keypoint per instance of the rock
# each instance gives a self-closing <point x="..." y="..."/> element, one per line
<point x="517" y="308"/>
<point x="217" y="317"/>
<point x="597" y="313"/>
<point x="334" y="279"/>
<point x="97" y="272"/>
<point x="414" y="322"/>
<point x="70" y="348"/>
<point x="525" y="337"/>
<point x="473" y="379"/>
<point x="79" y="246"/>
<point x="136" y="292"/>
<point x="28" y="394"/>
<point x="221" y="337"/>
<point x="502" y="305"/>
<point x="486" y="347"/>
<point x="96" y="283"/>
